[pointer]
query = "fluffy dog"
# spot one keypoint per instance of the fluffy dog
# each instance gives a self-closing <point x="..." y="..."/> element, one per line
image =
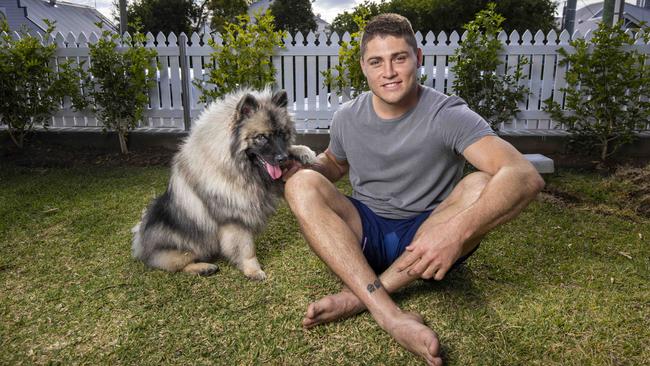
<point x="225" y="184"/>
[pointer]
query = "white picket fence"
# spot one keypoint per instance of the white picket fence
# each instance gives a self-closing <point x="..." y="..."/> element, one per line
<point x="299" y="68"/>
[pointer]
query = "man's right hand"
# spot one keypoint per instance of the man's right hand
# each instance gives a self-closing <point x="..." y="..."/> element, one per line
<point x="290" y="168"/>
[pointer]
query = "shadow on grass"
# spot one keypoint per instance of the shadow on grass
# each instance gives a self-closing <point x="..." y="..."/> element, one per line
<point x="457" y="295"/>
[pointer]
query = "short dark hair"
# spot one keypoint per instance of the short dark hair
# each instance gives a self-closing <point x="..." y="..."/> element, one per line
<point x="388" y="24"/>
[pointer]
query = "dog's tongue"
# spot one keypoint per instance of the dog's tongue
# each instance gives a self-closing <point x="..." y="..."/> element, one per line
<point x="274" y="171"/>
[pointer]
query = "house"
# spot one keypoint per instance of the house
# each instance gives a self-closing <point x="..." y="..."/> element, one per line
<point x="69" y="17"/>
<point x="322" y="26"/>
<point x="588" y="17"/>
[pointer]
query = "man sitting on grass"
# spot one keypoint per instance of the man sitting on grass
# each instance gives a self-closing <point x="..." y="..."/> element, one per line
<point x="411" y="215"/>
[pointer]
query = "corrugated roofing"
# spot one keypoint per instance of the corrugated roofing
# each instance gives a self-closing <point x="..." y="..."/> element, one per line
<point x="638" y="13"/>
<point x="588" y="17"/>
<point x="69" y="17"/>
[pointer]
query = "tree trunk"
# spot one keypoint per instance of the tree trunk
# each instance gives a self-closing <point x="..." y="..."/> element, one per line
<point x="122" y="136"/>
<point x="17" y="140"/>
<point x="604" y="151"/>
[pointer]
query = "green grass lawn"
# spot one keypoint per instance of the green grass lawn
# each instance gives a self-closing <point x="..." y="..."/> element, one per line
<point x="566" y="283"/>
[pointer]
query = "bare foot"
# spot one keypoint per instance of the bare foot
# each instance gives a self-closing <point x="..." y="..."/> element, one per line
<point x="332" y="308"/>
<point x="409" y="330"/>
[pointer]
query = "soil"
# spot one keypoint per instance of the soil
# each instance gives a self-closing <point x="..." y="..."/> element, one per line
<point x="636" y="197"/>
<point x="575" y="161"/>
<point x="45" y="156"/>
<point x="640" y="194"/>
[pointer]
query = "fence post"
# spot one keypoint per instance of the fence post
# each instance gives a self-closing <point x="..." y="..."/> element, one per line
<point x="185" y="80"/>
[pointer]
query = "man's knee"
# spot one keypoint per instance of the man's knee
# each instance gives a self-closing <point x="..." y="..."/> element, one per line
<point x="303" y="187"/>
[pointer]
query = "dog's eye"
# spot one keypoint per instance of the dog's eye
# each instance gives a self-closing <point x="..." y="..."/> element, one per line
<point x="260" y="139"/>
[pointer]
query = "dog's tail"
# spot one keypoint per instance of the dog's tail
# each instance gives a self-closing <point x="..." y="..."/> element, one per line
<point x="136" y="244"/>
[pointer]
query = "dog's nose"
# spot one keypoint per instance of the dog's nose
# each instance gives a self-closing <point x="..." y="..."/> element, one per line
<point x="281" y="158"/>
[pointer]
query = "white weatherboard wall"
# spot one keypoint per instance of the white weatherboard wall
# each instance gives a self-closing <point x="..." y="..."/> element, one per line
<point x="299" y="66"/>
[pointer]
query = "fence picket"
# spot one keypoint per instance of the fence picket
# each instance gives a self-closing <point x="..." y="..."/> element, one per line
<point x="429" y="61"/>
<point x="277" y="62"/>
<point x="299" y="77"/>
<point x="175" y="87"/>
<point x="548" y="74"/>
<point x="59" y="120"/>
<point x="197" y="74"/>
<point x="418" y="39"/>
<point x="536" y="69"/>
<point x="70" y="120"/>
<point x="347" y="91"/>
<point x="322" y="88"/>
<point x="288" y="67"/>
<point x="311" y="79"/>
<point x="503" y="38"/>
<point x="311" y="83"/>
<point x="82" y="44"/>
<point x="453" y="43"/>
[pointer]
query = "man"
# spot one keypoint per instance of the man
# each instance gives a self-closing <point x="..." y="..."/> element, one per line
<point x="411" y="215"/>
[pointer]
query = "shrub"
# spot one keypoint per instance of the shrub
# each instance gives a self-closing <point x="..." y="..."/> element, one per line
<point x="495" y="97"/>
<point x="121" y="81"/>
<point x="31" y="91"/>
<point x="347" y="76"/>
<point x="606" y="94"/>
<point x="244" y="60"/>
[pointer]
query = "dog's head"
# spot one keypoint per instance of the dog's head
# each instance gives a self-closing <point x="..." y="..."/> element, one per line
<point x="262" y="132"/>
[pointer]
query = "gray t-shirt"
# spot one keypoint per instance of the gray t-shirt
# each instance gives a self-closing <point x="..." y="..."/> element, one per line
<point x="404" y="166"/>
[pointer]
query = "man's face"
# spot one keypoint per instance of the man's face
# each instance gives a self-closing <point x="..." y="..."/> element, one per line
<point x="390" y="66"/>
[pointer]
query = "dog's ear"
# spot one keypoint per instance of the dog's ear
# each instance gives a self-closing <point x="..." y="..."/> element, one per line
<point x="280" y="98"/>
<point x="247" y="106"/>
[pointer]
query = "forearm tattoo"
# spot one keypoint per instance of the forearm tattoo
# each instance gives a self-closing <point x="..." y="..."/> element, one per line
<point x="374" y="286"/>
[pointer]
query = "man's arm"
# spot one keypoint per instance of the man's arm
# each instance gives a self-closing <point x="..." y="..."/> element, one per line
<point x="514" y="183"/>
<point x="329" y="166"/>
<point x="326" y="164"/>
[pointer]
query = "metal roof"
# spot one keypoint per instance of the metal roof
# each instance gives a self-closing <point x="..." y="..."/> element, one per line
<point x="588" y="17"/>
<point x="69" y="17"/>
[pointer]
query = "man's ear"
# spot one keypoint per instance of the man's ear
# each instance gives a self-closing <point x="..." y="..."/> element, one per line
<point x="419" y="55"/>
<point x="280" y="98"/>
<point x="247" y="106"/>
<point x="363" y="66"/>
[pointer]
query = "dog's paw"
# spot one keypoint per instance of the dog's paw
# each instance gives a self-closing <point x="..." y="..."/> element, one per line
<point x="303" y="154"/>
<point x="201" y="269"/>
<point x="258" y="275"/>
<point x="209" y="271"/>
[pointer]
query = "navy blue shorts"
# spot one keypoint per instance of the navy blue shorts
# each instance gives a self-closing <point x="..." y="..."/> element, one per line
<point x="384" y="240"/>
